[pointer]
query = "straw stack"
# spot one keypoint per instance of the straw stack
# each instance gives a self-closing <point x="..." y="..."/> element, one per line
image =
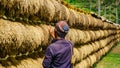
<point x="23" y="38"/>
<point x="24" y="33"/>
<point x="91" y="59"/>
<point x="85" y="50"/>
<point x="49" y="11"/>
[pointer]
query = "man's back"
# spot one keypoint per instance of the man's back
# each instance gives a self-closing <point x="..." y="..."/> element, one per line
<point x="58" y="55"/>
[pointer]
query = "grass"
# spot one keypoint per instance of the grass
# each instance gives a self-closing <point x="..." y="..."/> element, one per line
<point x="111" y="60"/>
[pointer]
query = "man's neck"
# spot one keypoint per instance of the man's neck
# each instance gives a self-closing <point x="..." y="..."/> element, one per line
<point x="59" y="38"/>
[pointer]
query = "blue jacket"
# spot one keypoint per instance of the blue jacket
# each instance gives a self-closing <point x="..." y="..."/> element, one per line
<point x="58" y="54"/>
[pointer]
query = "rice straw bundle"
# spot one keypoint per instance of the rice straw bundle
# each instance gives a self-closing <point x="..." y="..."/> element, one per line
<point x="58" y="10"/>
<point x="88" y="62"/>
<point x="3" y="4"/>
<point x="76" y="55"/>
<point x="98" y="56"/>
<point x="100" y="23"/>
<point x="93" y="36"/>
<point x="31" y="7"/>
<point x="91" y="59"/>
<point x="81" y="53"/>
<point x="88" y="49"/>
<point x="77" y="39"/>
<point x="71" y="20"/>
<point x="106" y="33"/>
<point x="18" y="37"/>
<point x="27" y="63"/>
<point x="118" y="31"/>
<point x="91" y="49"/>
<point x="47" y="11"/>
<point x="97" y="33"/>
<point x="70" y="35"/>
<point x="82" y="19"/>
<point x="86" y="20"/>
<point x="1" y="12"/>
<point x="78" y="20"/>
<point x="73" y="37"/>
<point x="64" y="13"/>
<point x="90" y="20"/>
<point x="95" y="22"/>
<point x="101" y="33"/>
<point x="95" y="46"/>
<point x="102" y="43"/>
<point x="83" y="64"/>
<point x="46" y="34"/>
<point x="84" y="51"/>
<point x="34" y="36"/>
<point x="105" y="25"/>
<point x="8" y="36"/>
<point x="82" y="36"/>
<point x="59" y="1"/>
<point x="87" y="36"/>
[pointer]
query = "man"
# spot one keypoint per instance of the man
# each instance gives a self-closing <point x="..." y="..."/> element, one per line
<point x="59" y="53"/>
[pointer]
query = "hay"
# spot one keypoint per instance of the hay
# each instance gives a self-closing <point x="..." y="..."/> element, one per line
<point x="26" y="6"/>
<point x="57" y="6"/>
<point x="48" y="11"/>
<point x="82" y="36"/>
<point x="28" y="63"/>
<point x="46" y="37"/>
<point x="59" y="1"/>
<point x="91" y="59"/>
<point x="101" y="33"/>
<point x="64" y="13"/>
<point x="100" y="23"/>
<point x="92" y="33"/>
<point x="90" y="21"/>
<point x="88" y="37"/>
<point x="97" y="33"/>
<point x="76" y="55"/>
<point x="18" y="37"/>
<point x="23" y="38"/>
<point x="77" y="20"/>
<point x="71" y="20"/>
<point x="86" y="20"/>
<point x="106" y="33"/>
<point x="82" y="19"/>
<point x="70" y="35"/>
<point x="86" y="50"/>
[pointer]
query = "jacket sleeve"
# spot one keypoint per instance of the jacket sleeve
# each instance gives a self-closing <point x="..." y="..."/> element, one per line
<point x="48" y="58"/>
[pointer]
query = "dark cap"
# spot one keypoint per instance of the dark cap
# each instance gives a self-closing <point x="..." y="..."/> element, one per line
<point x="62" y="28"/>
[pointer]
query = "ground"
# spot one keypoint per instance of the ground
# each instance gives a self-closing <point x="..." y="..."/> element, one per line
<point x="111" y="60"/>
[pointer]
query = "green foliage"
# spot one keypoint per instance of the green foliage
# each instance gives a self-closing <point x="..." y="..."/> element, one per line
<point x="92" y="6"/>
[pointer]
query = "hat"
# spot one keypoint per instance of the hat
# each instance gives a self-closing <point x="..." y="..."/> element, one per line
<point x="62" y="28"/>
